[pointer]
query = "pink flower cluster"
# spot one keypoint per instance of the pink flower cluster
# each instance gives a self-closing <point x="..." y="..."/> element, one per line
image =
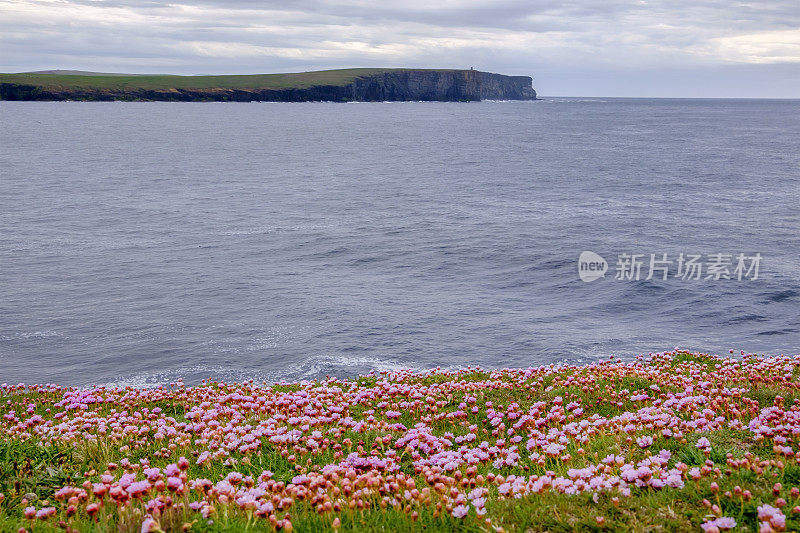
<point x="530" y="431"/>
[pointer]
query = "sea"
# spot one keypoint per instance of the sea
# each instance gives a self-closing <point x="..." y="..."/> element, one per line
<point x="142" y="243"/>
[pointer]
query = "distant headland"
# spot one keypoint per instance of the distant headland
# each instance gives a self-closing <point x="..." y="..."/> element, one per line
<point x="345" y="85"/>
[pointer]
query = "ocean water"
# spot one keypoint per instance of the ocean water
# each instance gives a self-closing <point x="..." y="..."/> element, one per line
<point x="143" y="242"/>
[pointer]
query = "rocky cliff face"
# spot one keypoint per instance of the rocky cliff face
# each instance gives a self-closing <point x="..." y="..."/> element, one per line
<point x="442" y="85"/>
<point x="391" y="85"/>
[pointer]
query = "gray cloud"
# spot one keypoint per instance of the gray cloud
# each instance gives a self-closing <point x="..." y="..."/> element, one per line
<point x="620" y="40"/>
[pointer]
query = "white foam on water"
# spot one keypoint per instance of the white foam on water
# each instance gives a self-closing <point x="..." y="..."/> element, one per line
<point x="191" y="375"/>
<point x="330" y="364"/>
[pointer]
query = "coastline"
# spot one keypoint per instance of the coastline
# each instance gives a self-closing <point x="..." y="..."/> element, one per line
<point x="349" y="85"/>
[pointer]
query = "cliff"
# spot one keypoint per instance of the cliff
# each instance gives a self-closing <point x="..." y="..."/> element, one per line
<point x="348" y="85"/>
<point x="447" y="86"/>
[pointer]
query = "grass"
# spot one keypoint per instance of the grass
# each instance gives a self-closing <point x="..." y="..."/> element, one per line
<point x="298" y="80"/>
<point x="51" y="438"/>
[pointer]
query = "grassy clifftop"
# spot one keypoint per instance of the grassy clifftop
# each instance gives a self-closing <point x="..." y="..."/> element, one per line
<point x="96" y="80"/>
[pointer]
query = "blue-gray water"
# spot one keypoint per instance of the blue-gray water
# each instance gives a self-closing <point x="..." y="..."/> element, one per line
<point x="142" y="242"/>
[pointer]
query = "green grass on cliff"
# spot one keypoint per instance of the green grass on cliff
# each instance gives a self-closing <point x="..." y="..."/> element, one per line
<point x="298" y="80"/>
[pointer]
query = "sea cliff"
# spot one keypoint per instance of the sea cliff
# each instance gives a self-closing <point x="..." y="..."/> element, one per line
<point x="350" y="85"/>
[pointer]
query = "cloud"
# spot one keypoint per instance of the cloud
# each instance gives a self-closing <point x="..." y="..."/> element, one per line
<point x="517" y="37"/>
<point x="780" y="46"/>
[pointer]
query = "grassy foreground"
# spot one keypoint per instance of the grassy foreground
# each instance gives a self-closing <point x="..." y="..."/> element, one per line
<point x="673" y="441"/>
<point x="297" y="80"/>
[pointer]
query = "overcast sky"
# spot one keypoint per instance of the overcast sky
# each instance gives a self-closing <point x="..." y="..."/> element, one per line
<point x="578" y="48"/>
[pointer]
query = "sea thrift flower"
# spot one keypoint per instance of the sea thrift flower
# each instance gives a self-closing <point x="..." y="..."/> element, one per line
<point x="149" y="525"/>
<point x="174" y="484"/>
<point x="719" y="524"/>
<point x="771" y="517"/>
<point x="704" y="444"/>
<point x="460" y="511"/>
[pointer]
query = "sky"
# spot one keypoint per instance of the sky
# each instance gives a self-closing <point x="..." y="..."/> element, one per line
<point x="660" y="48"/>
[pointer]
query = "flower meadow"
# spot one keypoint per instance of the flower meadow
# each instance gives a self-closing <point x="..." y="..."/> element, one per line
<point x="671" y="441"/>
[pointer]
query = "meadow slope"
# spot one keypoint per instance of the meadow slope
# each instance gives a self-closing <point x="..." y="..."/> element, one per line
<point x="672" y="441"/>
